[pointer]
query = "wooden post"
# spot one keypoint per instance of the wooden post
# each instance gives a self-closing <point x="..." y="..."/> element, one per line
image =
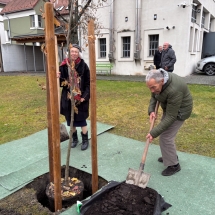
<point x="51" y="172"/>
<point x="53" y="112"/>
<point x="57" y="71"/>
<point x="92" y="57"/>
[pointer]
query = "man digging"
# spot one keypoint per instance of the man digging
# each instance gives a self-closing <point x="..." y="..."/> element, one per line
<point x="177" y="103"/>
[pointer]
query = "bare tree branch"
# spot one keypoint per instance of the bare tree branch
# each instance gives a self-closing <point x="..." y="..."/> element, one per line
<point x="84" y="8"/>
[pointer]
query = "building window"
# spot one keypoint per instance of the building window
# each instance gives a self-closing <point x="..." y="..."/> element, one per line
<point x="203" y="19"/>
<point x="153" y="44"/>
<point x="102" y="47"/>
<point x="126" y="46"/>
<point x="195" y="48"/>
<point x="191" y="39"/>
<point x="193" y="16"/>
<point x="33" y="24"/>
<point x="210" y="25"/>
<point x="36" y="21"/>
<point x="40" y="21"/>
<point x="60" y="8"/>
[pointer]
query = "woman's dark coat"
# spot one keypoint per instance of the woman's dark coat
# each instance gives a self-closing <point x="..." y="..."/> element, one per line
<point x="65" y="104"/>
<point x="157" y="59"/>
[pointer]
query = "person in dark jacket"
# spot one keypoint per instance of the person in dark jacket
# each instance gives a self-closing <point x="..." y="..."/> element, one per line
<point x="177" y="103"/>
<point x="168" y="58"/>
<point x="81" y="93"/>
<point x="157" y="57"/>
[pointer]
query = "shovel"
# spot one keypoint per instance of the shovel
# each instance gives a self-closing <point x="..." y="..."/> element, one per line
<point x="140" y="178"/>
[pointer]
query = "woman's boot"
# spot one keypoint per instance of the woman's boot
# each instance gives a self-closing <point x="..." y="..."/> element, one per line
<point x="74" y="139"/>
<point x="85" y="141"/>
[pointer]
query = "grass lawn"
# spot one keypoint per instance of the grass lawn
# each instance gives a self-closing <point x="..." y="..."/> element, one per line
<point x="123" y="104"/>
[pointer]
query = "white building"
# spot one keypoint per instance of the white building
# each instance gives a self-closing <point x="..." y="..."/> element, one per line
<point x="134" y="29"/>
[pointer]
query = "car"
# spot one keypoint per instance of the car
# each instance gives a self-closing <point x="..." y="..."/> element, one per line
<point x="206" y="65"/>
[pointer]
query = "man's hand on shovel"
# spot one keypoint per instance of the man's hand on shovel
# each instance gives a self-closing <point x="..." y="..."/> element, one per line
<point x="149" y="136"/>
<point x="152" y="118"/>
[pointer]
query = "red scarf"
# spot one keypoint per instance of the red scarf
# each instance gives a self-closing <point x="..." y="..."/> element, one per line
<point x="77" y="61"/>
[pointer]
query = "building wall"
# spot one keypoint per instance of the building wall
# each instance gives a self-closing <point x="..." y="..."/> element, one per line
<point x="185" y="37"/>
<point x="20" y="26"/>
<point x="16" y="24"/>
<point x="14" y="58"/>
<point x="20" y="23"/>
<point x="38" y="7"/>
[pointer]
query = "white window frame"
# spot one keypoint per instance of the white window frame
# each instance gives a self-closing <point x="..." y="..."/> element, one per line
<point x="120" y="46"/>
<point x="212" y="24"/>
<point x="195" y="42"/>
<point x="60" y="8"/>
<point x="191" y="39"/>
<point x="40" y="22"/>
<point x="36" y="22"/>
<point x="160" y="32"/>
<point x="33" y="21"/>
<point x="97" y="47"/>
<point x="203" y="19"/>
<point x="194" y="14"/>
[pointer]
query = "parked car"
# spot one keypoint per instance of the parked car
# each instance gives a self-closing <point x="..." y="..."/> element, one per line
<point x="207" y="65"/>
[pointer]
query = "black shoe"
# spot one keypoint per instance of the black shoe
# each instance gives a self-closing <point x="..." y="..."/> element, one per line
<point x="171" y="170"/>
<point x="160" y="159"/>
<point x="85" y="141"/>
<point x="74" y="139"/>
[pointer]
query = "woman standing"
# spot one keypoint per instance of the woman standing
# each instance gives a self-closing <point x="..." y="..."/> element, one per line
<point x="81" y="93"/>
<point x="157" y="57"/>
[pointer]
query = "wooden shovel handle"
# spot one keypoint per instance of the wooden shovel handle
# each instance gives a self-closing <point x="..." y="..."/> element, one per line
<point x="147" y="141"/>
<point x="153" y="120"/>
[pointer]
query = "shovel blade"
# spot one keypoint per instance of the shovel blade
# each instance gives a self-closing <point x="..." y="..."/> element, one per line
<point x="138" y="178"/>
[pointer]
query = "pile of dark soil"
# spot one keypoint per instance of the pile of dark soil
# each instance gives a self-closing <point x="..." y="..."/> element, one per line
<point x="124" y="199"/>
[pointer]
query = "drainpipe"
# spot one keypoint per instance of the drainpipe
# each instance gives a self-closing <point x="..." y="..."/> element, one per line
<point x="138" y="29"/>
<point x="8" y="22"/>
<point x="110" y="55"/>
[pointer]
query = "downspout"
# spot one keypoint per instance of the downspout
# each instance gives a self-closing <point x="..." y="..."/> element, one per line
<point x="138" y="29"/>
<point x="111" y="42"/>
<point x="8" y="22"/>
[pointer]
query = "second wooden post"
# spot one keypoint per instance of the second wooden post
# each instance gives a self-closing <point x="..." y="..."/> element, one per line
<point x="92" y="57"/>
<point x="52" y="106"/>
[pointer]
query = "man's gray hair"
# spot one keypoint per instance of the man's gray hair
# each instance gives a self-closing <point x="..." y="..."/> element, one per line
<point x="155" y="74"/>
